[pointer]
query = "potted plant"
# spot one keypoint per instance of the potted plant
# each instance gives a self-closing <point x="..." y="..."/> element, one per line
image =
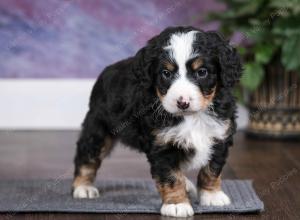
<point x="269" y="31"/>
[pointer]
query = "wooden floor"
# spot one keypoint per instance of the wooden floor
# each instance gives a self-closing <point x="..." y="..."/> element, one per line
<point x="274" y="167"/>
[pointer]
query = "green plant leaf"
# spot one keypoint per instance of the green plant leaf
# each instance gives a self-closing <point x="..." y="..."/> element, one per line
<point x="291" y="53"/>
<point x="237" y="9"/>
<point x="253" y="76"/>
<point x="292" y="5"/>
<point x="237" y="92"/>
<point x="254" y="33"/>
<point x="264" y="53"/>
<point x="241" y="50"/>
<point x="248" y="8"/>
<point x="287" y="26"/>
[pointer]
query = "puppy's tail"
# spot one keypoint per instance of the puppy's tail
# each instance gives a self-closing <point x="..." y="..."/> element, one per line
<point x="190" y="187"/>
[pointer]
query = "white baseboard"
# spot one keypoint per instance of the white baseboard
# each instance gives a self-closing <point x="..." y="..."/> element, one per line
<point x="43" y="104"/>
<point x="51" y="104"/>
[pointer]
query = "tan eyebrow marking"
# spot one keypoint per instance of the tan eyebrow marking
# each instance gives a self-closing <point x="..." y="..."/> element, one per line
<point x="169" y="66"/>
<point x="197" y="63"/>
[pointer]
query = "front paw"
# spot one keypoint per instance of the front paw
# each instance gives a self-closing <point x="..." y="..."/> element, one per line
<point x="85" y="191"/>
<point x="214" y="198"/>
<point x="177" y="210"/>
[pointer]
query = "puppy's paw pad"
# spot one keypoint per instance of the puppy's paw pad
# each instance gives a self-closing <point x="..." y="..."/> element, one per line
<point x="214" y="198"/>
<point x="89" y="192"/>
<point x="177" y="210"/>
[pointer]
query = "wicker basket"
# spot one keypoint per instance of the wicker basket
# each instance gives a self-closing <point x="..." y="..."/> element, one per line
<point x="275" y="105"/>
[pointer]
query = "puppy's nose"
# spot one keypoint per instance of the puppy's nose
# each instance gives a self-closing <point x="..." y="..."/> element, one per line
<point x="182" y="104"/>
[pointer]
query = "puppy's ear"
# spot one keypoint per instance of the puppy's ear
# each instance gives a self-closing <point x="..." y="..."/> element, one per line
<point x="228" y="58"/>
<point x="145" y="62"/>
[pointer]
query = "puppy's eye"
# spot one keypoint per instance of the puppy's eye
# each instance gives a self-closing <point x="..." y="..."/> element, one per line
<point x="201" y="73"/>
<point x="166" y="74"/>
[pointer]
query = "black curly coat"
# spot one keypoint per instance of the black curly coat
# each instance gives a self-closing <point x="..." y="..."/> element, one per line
<point x="123" y="105"/>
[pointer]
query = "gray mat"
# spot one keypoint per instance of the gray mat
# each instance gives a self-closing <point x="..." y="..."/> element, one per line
<point x="126" y="196"/>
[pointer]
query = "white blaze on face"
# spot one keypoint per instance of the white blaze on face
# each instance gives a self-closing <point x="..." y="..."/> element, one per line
<point x="180" y="49"/>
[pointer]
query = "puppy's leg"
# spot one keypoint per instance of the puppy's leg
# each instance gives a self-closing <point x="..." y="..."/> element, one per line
<point x="209" y="180"/>
<point x="190" y="187"/>
<point x="210" y="191"/>
<point x="174" y="195"/>
<point x="93" y="145"/>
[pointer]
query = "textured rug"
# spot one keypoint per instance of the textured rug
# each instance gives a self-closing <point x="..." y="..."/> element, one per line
<point x="116" y="196"/>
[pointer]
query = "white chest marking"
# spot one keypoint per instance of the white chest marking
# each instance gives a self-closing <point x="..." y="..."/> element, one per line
<point x="198" y="132"/>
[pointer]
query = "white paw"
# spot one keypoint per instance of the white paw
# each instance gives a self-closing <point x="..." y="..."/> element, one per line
<point x="190" y="187"/>
<point x="81" y="192"/>
<point x="177" y="210"/>
<point x="214" y="198"/>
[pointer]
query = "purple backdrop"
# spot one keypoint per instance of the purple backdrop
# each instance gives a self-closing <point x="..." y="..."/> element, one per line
<point x="78" y="38"/>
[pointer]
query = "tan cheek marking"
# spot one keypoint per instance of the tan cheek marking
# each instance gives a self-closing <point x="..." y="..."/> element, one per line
<point x="160" y="96"/>
<point x="197" y="63"/>
<point x="207" y="99"/>
<point x="208" y="181"/>
<point x="86" y="175"/>
<point x="175" y="193"/>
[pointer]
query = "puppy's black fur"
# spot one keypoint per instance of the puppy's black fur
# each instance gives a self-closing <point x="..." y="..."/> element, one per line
<point x="124" y="99"/>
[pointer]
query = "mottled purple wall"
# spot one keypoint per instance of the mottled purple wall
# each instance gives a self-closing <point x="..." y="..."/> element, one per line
<point x="78" y="38"/>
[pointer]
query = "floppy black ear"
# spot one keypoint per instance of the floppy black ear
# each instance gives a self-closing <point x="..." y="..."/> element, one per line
<point x="228" y="58"/>
<point x="145" y="62"/>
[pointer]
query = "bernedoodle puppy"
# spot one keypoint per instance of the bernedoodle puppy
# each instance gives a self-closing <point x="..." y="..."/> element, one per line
<point x="173" y="102"/>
